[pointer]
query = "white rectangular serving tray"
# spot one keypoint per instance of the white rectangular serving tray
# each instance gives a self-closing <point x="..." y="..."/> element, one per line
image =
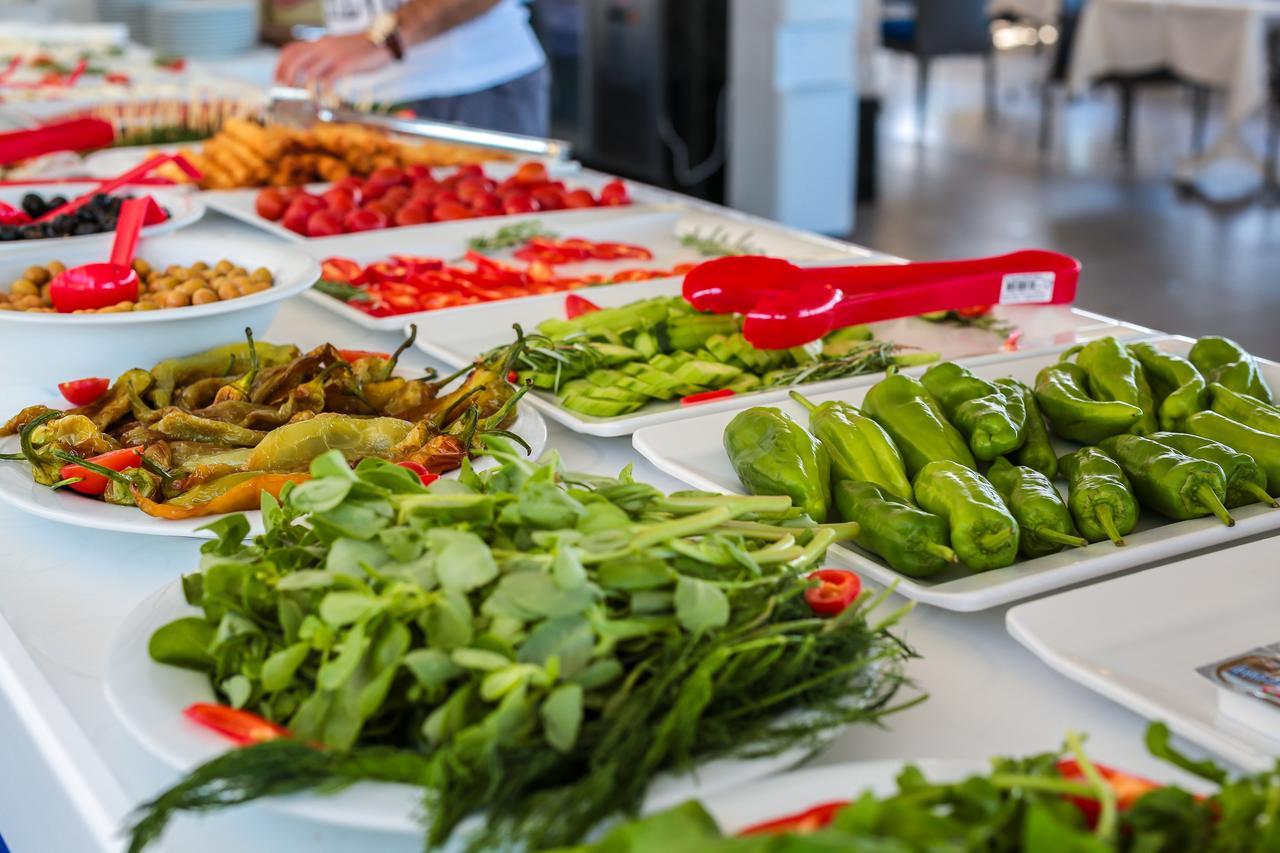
<point x="658" y="228"/>
<point x="456" y="338"/>
<point x="692" y="451"/>
<point x="1146" y="633"/>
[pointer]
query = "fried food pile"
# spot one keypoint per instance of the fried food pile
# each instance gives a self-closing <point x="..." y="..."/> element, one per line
<point x="214" y="430"/>
<point x="248" y="154"/>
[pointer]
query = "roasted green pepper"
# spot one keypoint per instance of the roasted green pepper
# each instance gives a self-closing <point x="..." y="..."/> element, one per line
<point x="910" y="540"/>
<point x="1043" y="519"/>
<point x="1036" y="451"/>
<point x="1224" y="361"/>
<point x="227" y="360"/>
<point x="293" y="446"/>
<point x="916" y="423"/>
<point x="1244" y="409"/>
<point x="1263" y="447"/>
<point x="773" y="455"/>
<point x="1171" y="483"/>
<point x="983" y="532"/>
<point x="975" y="407"/>
<point x="1179" y="387"/>
<point x="1246" y="481"/>
<point x="1073" y="414"/>
<point x="1114" y="374"/>
<point x="859" y="448"/>
<point x="1099" y="495"/>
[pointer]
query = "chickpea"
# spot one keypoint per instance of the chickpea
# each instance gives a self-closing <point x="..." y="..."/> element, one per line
<point x="164" y="282"/>
<point x="24" y="287"/>
<point x="44" y="293"/>
<point x="254" y="287"/>
<point x="241" y="281"/>
<point x="200" y="266"/>
<point x="237" y="271"/>
<point x="142" y="268"/>
<point x="203" y="296"/>
<point x="120" y="307"/>
<point x="174" y="299"/>
<point x="189" y="287"/>
<point x="224" y="266"/>
<point x="262" y="274"/>
<point x="56" y="268"/>
<point x="226" y="291"/>
<point x="174" y="270"/>
<point x="37" y="274"/>
<point x="145" y="305"/>
<point x="26" y="303"/>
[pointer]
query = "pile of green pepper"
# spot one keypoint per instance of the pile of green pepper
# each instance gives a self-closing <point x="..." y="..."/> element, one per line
<point x="952" y="469"/>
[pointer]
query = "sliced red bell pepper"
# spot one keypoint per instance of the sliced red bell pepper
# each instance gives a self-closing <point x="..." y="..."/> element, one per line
<point x="1127" y="787"/>
<point x="82" y="392"/>
<point x="576" y="306"/>
<point x="340" y="269"/>
<point x="92" y="483"/>
<point x="350" y="356"/>
<point x="427" y="477"/>
<point x="802" y="823"/>
<point x="836" y="590"/>
<point x="240" y="726"/>
<point x="706" y="396"/>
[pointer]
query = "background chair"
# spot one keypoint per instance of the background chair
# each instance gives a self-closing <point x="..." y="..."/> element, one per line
<point x="945" y="28"/>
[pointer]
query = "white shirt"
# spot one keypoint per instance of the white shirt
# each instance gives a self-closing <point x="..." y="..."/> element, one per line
<point x="490" y="49"/>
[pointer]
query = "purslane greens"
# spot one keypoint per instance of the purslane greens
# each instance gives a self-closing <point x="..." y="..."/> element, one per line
<point x="1049" y="803"/>
<point x="523" y="641"/>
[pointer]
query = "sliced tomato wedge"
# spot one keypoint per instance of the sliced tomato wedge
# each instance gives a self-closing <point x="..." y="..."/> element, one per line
<point x="802" y="823"/>
<point x="350" y="356"/>
<point x="93" y="483"/>
<point x="243" y="727"/>
<point x="427" y="477"/>
<point x="340" y="269"/>
<point x="836" y="590"/>
<point x="82" y="392"/>
<point x="576" y="306"/>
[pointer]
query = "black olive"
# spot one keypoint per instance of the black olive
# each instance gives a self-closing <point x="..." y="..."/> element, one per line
<point x="56" y="201"/>
<point x="83" y="228"/>
<point x="8" y="232"/>
<point x="33" y="205"/>
<point x="51" y="230"/>
<point x="32" y="232"/>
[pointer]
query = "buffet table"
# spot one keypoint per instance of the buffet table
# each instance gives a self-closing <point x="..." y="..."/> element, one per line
<point x="73" y="774"/>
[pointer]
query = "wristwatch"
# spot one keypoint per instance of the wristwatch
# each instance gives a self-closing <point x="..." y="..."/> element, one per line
<point x="385" y="32"/>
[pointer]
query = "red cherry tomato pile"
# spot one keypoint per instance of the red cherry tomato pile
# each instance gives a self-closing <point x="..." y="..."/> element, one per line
<point x="395" y="197"/>
<point x="404" y="284"/>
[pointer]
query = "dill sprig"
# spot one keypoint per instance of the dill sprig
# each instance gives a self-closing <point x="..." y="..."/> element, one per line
<point x="509" y="236"/>
<point x="717" y="243"/>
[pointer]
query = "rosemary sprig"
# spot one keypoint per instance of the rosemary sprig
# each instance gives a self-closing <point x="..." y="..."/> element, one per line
<point x="870" y="357"/>
<point x="717" y="243"/>
<point x="509" y="236"/>
<point x="987" y="322"/>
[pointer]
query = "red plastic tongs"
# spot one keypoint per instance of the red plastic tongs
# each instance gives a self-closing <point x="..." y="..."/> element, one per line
<point x="787" y="306"/>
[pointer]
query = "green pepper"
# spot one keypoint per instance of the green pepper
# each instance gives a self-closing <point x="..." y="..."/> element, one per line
<point x="1244" y="409"/>
<point x="121" y="491"/>
<point x="859" y="448"/>
<point x="1073" y="414"/>
<point x="910" y="540"/>
<point x="976" y="407"/>
<point x="1169" y="482"/>
<point x="1043" y="519"/>
<point x="773" y="455"/>
<point x="1036" y="451"/>
<point x="1099" y="495"/>
<point x="915" y="422"/>
<point x="1115" y="375"/>
<point x="1224" y="361"/>
<point x="293" y="446"/>
<point x="1263" y="447"/>
<point x="225" y="360"/>
<point x="1246" y="481"/>
<point x="983" y="532"/>
<point x="1180" y="388"/>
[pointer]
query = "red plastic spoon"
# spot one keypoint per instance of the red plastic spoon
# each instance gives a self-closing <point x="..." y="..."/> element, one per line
<point x="786" y="305"/>
<point x="100" y="285"/>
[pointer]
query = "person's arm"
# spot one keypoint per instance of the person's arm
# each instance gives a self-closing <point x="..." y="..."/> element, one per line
<point x="325" y="60"/>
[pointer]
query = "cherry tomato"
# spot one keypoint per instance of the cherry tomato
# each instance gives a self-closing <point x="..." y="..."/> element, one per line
<point x="325" y="222"/>
<point x="417" y="172"/>
<point x="414" y="213"/>
<point x="487" y="204"/>
<point x="614" y="193"/>
<point x="427" y="477"/>
<point x="239" y="726"/>
<point x="340" y="199"/>
<point x="387" y="176"/>
<point x="270" y="204"/>
<point x="576" y="306"/>
<point x="365" y="220"/>
<point x="446" y="211"/>
<point x="93" y="483"/>
<point x="835" y="591"/>
<point x="531" y="172"/>
<point x="548" y="198"/>
<point x="351" y="184"/>
<point x="517" y="202"/>
<point x="82" y="392"/>
<point x="579" y="198"/>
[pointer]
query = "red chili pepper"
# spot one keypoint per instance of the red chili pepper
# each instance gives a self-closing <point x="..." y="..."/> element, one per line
<point x="802" y="823"/>
<point x="243" y="727"/>
<point x="612" y="251"/>
<point x="350" y="356"/>
<point x="576" y="306"/>
<point x="704" y="396"/>
<point x="82" y="392"/>
<point x="92" y="483"/>
<point x="1127" y="787"/>
<point x="427" y="477"/>
<point x="835" y="591"/>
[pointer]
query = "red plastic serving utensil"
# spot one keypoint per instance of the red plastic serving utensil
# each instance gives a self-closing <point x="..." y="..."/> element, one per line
<point x="107" y="187"/>
<point x="99" y="285"/>
<point x="75" y="135"/>
<point x="786" y="305"/>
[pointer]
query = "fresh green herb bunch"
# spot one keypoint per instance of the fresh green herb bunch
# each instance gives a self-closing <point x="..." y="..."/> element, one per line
<point x="522" y="641"/>
<point x="1049" y="803"/>
<point x="510" y="236"/>
<point x="718" y="243"/>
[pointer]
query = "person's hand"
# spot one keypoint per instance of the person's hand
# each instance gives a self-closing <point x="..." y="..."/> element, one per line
<point x="324" y="60"/>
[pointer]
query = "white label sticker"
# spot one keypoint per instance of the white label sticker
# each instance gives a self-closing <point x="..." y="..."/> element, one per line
<point x="1018" y="288"/>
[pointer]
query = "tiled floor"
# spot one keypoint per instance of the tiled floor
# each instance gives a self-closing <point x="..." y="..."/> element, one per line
<point x="961" y="187"/>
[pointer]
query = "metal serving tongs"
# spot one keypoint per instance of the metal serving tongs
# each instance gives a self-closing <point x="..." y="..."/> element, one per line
<point x="303" y="107"/>
<point x="788" y="306"/>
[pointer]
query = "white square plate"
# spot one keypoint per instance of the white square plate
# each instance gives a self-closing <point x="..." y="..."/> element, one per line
<point x="1138" y="639"/>
<point x="692" y="451"/>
